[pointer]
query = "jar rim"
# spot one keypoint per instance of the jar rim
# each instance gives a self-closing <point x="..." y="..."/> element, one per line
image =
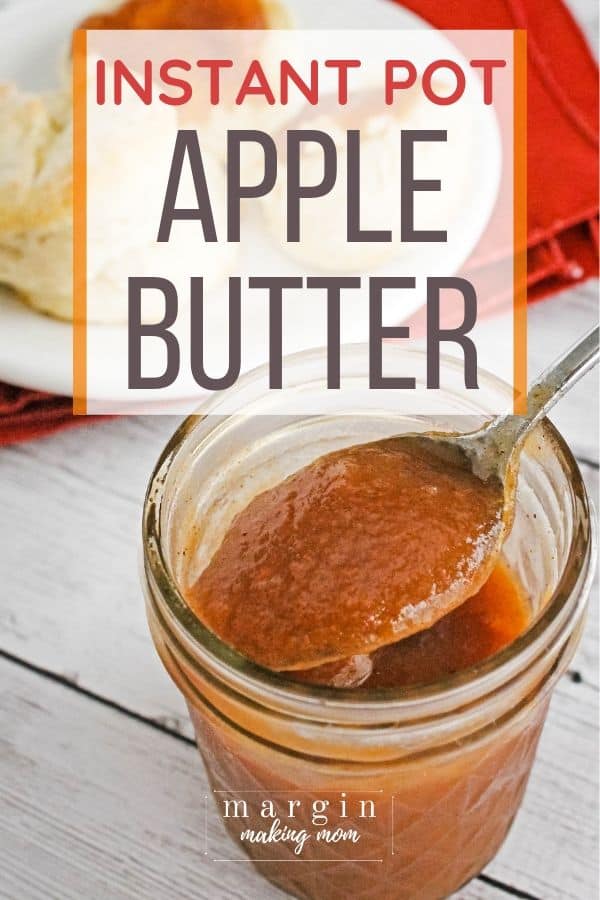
<point x="501" y="667"/>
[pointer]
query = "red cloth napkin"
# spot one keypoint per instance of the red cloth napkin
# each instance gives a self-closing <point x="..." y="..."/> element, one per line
<point x="562" y="163"/>
<point x="25" y="415"/>
<point x="562" y="133"/>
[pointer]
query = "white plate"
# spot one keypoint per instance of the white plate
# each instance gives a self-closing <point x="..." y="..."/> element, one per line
<point x="36" y="351"/>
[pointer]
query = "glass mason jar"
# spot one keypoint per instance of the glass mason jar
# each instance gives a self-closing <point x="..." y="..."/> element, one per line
<point x="445" y="764"/>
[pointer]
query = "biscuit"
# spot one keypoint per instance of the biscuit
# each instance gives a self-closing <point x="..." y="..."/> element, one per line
<point x="36" y="222"/>
<point x="35" y="159"/>
<point x="37" y="263"/>
<point x="323" y="243"/>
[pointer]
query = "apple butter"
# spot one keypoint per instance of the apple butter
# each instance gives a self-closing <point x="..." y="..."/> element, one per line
<point x="359" y="549"/>
<point x="481" y="626"/>
<point x="176" y="14"/>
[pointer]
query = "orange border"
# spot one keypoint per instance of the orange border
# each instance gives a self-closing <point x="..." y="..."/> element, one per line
<point x="520" y="223"/>
<point x="79" y="223"/>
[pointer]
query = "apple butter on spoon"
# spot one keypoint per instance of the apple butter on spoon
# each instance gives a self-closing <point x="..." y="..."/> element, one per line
<point x="359" y="549"/>
<point x="371" y="544"/>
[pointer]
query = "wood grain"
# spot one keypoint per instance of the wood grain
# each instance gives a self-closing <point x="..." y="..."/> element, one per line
<point x="96" y="804"/>
<point x="76" y="608"/>
<point x="101" y="790"/>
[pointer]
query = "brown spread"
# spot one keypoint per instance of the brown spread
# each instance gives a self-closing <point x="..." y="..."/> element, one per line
<point x="483" y="625"/>
<point x="358" y="550"/>
<point x="176" y="14"/>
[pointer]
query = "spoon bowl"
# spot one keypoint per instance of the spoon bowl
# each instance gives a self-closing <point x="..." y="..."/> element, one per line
<point x="371" y="543"/>
<point x="492" y="453"/>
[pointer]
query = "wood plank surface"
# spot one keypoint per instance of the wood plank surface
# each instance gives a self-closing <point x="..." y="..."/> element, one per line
<point x="101" y="789"/>
<point x="97" y="804"/>
<point x="75" y="610"/>
<point x="75" y="607"/>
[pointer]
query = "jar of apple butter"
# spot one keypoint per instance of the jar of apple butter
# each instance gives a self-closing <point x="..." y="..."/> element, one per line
<point x="422" y="781"/>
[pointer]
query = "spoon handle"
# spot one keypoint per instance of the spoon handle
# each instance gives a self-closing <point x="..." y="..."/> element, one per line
<point x="503" y="438"/>
<point x="560" y="378"/>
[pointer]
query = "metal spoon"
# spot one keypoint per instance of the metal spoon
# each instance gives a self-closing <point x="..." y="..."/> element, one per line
<point x="493" y="451"/>
<point x="492" y="454"/>
<point x="421" y="539"/>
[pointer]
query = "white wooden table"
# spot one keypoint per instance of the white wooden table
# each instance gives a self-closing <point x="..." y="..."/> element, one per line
<point x="101" y="787"/>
